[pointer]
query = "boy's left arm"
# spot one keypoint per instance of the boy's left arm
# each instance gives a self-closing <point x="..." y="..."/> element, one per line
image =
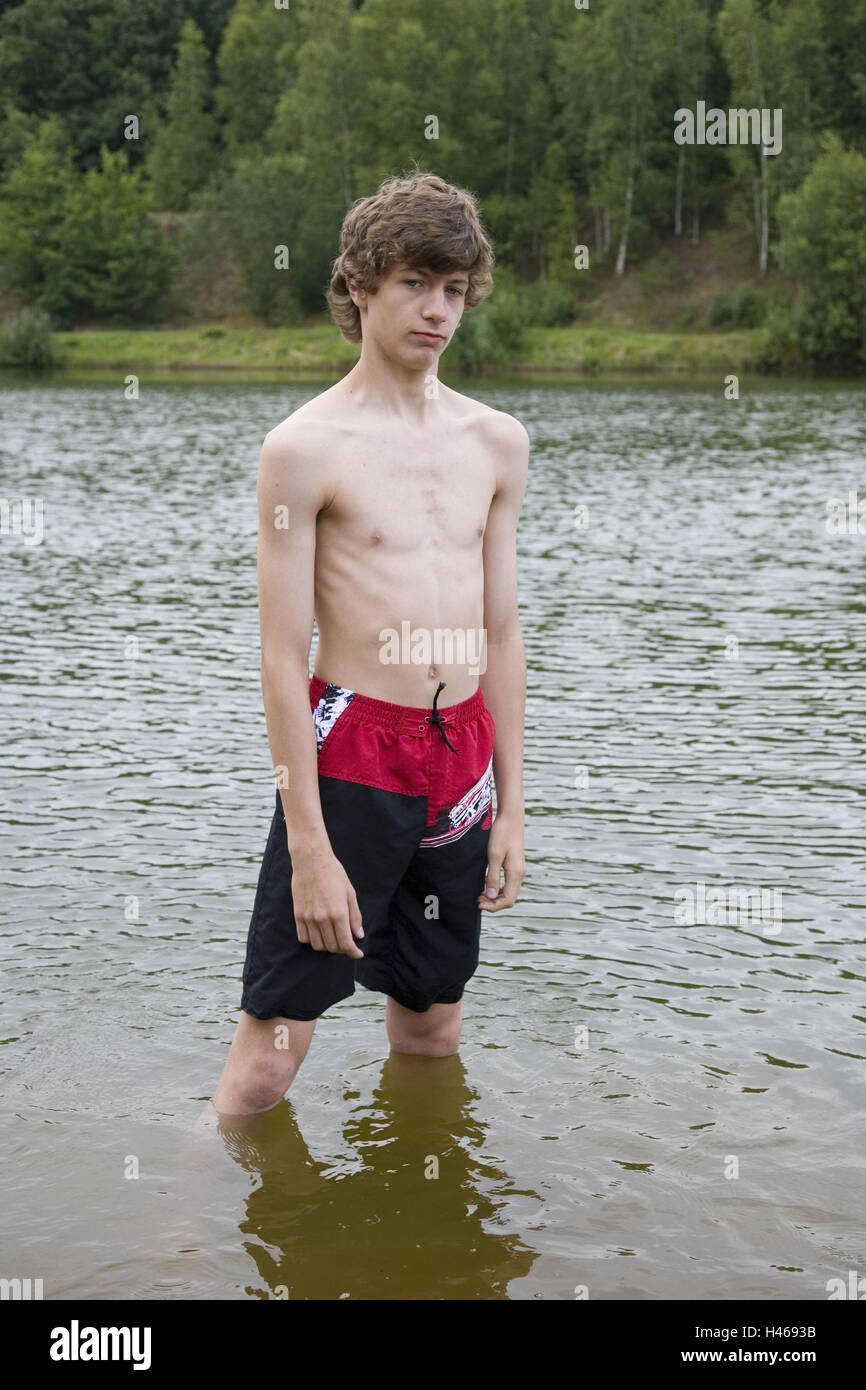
<point x="503" y="682"/>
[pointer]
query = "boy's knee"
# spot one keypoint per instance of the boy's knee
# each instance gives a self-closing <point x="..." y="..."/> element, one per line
<point x="433" y="1033"/>
<point x="269" y="1076"/>
<point x="255" y="1081"/>
<point x="448" y="1040"/>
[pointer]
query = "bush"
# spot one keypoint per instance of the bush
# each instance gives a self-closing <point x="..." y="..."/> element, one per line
<point x="660" y="274"/>
<point x="551" y="305"/>
<point x="748" y="309"/>
<point x="823" y="224"/>
<point x="471" y="345"/>
<point x="720" y="314"/>
<point x="508" y="314"/>
<point x="780" y="345"/>
<point x="25" y="340"/>
<point x="687" y="319"/>
<point x="494" y="332"/>
<point x="744" y="309"/>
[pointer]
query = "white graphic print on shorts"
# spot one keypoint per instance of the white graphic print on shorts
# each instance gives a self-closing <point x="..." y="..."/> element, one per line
<point x="465" y="812"/>
<point x="335" y="699"/>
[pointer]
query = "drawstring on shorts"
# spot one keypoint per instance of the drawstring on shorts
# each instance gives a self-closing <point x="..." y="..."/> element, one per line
<point x="436" y="718"/>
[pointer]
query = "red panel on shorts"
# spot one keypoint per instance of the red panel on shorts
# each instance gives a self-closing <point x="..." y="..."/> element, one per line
<point x="397" y="749"/>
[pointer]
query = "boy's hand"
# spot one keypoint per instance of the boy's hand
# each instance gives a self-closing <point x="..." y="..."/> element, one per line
<point x="504" y="851"/>
<point x="327" y="915"/>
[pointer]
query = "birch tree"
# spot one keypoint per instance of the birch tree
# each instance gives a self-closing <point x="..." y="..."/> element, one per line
<point x="751" y="55"/>
<point x="616" y="54"/>
<point x="685" y="84"/>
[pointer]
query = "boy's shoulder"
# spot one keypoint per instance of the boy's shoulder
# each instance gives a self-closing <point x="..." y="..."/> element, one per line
<point x="309" y="427"/>
<point x="498" y="424"/>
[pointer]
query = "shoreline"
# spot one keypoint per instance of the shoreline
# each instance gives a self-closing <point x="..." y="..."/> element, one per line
<point x="317" y="350"/>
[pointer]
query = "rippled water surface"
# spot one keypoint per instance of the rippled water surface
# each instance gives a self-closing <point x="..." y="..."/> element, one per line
<point x="644" y="1105"/>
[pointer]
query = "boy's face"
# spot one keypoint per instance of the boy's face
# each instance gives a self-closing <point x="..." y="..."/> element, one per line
<point x="413" y="313"/>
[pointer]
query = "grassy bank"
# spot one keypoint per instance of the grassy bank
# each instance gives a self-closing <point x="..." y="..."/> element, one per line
<point x="583" y="350"/>
<point x="213" y="347"/>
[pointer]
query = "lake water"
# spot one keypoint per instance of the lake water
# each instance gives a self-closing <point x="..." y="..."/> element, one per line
<point x="645" y="1105"/>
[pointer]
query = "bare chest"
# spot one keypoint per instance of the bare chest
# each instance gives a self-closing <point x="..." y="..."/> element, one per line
<point x="413" y="498"/>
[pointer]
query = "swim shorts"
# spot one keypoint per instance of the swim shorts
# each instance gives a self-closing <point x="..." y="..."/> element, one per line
<point x="406" y="797"/>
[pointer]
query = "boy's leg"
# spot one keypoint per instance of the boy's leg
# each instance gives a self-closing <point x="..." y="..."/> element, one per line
<point x="434" y="919"/>
<point x="434" y="1033"/>
<point x="262" y="1063"/>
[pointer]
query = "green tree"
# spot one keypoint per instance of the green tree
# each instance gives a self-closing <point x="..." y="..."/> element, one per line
<point x="71" y="242"/>
<point x="33" y="199"/>
<point x="419" y="64"/>
<point x="843" y="27"/>
<point x="119" y="260"/>
<point x="185" y="146"/>
<point x="93" y="62"/>
<point x="251" y="71"/>
<point x="777" y="58"/>
<point x="804" y="78"/>
<point x="319" y="110"/>
<point x="555" y="218"/>
<point x="824" y="222"/>
<point x="519" y="45"/>
<point x="17" y="129"/>
<point x="685" y="82"/>
<point x="621" y="59"/>
<point x="750" y="45"/>
<point x="317" y="120"/>
<point x="244" y="215"/>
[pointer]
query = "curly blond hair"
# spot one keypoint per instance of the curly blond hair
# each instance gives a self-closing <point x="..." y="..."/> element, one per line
<point x="418" y="219"/>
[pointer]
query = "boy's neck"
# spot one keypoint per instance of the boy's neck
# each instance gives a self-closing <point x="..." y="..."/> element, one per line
<point x="412" y="397"/>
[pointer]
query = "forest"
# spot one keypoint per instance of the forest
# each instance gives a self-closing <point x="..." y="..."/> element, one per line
<point x="698" y="164"/>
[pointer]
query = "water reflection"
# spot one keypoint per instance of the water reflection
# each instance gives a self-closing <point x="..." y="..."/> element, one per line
<point x="408" y="1216"/>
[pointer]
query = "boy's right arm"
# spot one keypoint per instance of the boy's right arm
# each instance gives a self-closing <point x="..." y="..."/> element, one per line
<point x="291" y="493"/>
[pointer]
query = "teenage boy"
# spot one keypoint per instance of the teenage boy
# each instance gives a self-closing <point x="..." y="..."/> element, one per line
<point x="388" y="510"/>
